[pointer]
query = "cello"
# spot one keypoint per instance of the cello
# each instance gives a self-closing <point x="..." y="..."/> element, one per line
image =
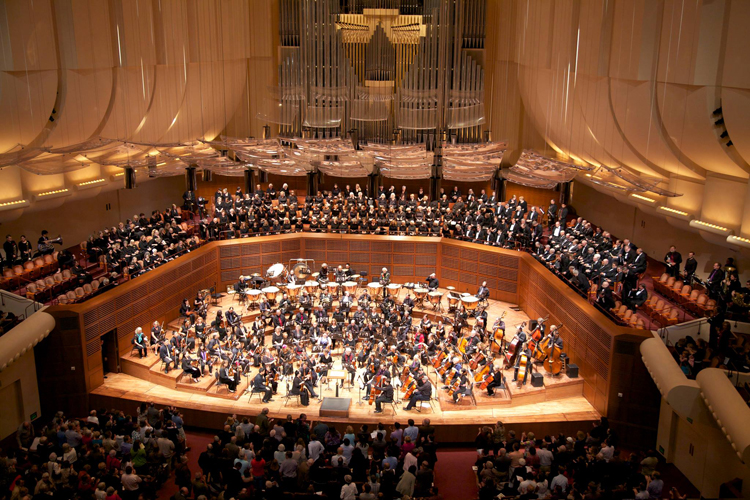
<point x="376" y="387"/>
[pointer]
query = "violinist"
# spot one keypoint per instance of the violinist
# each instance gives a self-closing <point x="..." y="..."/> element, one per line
<point x="140" y="342"/>
<point x="214" y="346"/>
<point x="299" y="388"/>
<point x="464" y="386"/>
<point x="200" y="305"/>
<point x="190" y="367"/>
<point x="386" y="395"/>
<point x="259" y="385"/>
<point x="233" y="319"/>
<point x="308" y="377"/>
<point x="228" y="376"/>
<point x="186" y="311"/>
<point x="166" y="356"/>
<point x="200" y="328"/>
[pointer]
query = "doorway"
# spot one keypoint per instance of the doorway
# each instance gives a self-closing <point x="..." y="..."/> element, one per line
<point x="110" y="353"/>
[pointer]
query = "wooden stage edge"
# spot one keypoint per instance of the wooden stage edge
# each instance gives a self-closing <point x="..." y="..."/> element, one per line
<point x="454" y="424"/>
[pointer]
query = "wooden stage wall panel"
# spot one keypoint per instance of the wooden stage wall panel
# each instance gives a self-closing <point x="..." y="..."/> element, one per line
<point x="606" y="353"/>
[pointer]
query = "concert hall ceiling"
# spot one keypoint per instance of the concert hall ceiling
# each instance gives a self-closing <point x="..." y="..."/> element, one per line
<point x="646" y="100"/>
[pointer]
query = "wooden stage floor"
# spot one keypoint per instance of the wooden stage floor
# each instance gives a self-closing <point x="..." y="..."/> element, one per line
<point x="560" y="401"/>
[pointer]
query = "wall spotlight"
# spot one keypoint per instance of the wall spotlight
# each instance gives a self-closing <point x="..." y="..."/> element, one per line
<point x="718" y="111"/>
<point x="724" y="134"/>
<point x="720" y="121"/>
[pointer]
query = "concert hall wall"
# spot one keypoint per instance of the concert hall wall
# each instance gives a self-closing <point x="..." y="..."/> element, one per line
<point x="653" y="233"/>
<point x="615" y="381"/>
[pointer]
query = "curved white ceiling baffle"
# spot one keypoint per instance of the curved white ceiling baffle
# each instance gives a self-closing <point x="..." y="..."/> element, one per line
<point x="735" y="79"/>
<point x="86" y="61"/>
<point x="133" y="68"/>
<point x="28" y="73"/>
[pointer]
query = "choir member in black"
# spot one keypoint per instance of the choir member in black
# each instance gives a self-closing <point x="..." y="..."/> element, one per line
<point x="423" y="393"/>
<point x="140" y="342"/>
<point x="186" y="311"/>
<point x="637" y="297"/>
<point x="385" y="396"/>
<point x="432" y="282"/>
<point x="690" y="267"/>
<point x="673" y="259"/>
<point x="165" y="353"/>
<point x="259" y="385"/>
<point x="714" y="280"/>
<point x="464" y="386"/>
<point x="190" y="366"/>
<point x="349" y="364"/>
<point x="497" y="380"/>
<point x="605" y="298"/>
<point x="228" y="376"/>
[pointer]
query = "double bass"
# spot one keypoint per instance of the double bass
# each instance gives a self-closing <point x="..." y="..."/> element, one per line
<point x="523" y="366"/>
<point x="553" y="363"/>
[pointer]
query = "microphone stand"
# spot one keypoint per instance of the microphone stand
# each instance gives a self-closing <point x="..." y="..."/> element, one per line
<point x="359" y="390"/>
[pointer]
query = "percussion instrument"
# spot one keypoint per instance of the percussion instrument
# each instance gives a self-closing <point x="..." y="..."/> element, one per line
<point x="315" y="275"/>
<point x="420" y="293"/>
<point x="293" y="290"/>
<point x="300" y="270"/>
<point x="271" y="292"/>
<point x="394" y="289"/>
<point x="311" y="287"/>
<point x="254" y="295"/>
<point x="470" y="302"/>
<point x="355" y="277"/>
<point x="333" y="287"/>
<point x="435" y="297"/>
<point x="453" y="300"/>
<point x="374" y="288"/>
<point x="351" y="287"/>
<point x="276" y="271"/>
<point x="451" y="288"/>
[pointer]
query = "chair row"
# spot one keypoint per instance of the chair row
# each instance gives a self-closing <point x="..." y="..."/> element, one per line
<point x="30" y="270"/>
<point x="692" y="300"/>
<point x="83" y="292"/>
<point x="626" y="316"/>
<point x="661" y="312"/>
<point x="43" y="290"/>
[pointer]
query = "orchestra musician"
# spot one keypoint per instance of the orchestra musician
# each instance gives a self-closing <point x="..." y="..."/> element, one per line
<point x="346" y="303"/>
<point x="483" y="293"/>
<point x="385" y="396"/>
<point x="323" y="274"/>
<point x="45" y="245"/>
<point x="464" y="386"/>
<point x="497" y="380"/>
<point x="228" y="376"/>
<point x="423" y="393"/>
<point x="233" y="319"/>
<point x="348" y="362"/>
<point x="190" y="366"/>
<point x="690" y="267"/>
<point x="166" y="356"/>
<point x="186" y="311"/>
<point x="432" y="282"/>
<point x="259" y="385"/>
<point x="524" y="349"/>
<point x="325" y="362"/>
<point x="385" y="280"/>
<point x="714" y="280"/>
<point x="140" y="342"/>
